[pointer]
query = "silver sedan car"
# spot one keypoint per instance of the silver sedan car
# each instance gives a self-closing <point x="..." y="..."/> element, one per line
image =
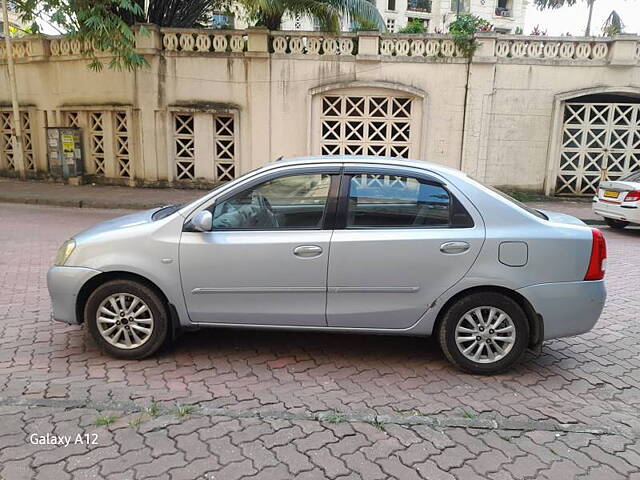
<point x="340" y="244"/>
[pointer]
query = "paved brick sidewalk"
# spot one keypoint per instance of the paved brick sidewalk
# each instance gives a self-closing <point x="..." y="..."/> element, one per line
<point x="91" y="196"/>
<point x="100" y="196"/>
<point x="291" y="405"/>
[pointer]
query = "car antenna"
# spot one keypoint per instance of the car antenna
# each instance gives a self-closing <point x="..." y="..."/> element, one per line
<point x="279" y="158"/>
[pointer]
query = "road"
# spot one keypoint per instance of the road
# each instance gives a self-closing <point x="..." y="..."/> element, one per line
<point x="242" y="404"/>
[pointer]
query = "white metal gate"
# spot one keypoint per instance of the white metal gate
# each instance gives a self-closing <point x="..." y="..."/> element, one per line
<point x="599" y="141"/>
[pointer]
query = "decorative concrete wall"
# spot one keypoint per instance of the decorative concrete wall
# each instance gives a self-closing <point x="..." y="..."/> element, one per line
<point x="214" y="104"/>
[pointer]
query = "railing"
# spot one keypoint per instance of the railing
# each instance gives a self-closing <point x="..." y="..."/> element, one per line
<point x="419" y="46"/>
<point x="313" y="43"/>
<point x="187" y="40"/>
<point x="61" y="46"/>
<point x="550" y="47"/>
<point x="21" y="49"/>
<point x="427" y="46"/>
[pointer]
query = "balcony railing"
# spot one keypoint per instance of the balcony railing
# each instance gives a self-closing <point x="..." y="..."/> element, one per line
<point x="419" y="6"/>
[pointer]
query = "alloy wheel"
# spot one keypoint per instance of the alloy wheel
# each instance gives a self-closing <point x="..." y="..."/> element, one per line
<point x="124" y="320"/>
<point x="485" y="334"/>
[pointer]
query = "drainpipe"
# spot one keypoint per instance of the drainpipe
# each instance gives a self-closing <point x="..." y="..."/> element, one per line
<point x="18" y="149"/>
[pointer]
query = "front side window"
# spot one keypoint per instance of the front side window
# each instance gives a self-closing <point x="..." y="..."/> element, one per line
<point x="292" y="202"/>
<point x="395" y="201"/>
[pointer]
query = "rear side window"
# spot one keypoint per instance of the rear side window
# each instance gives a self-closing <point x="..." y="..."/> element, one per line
<point x="407" y="202"/>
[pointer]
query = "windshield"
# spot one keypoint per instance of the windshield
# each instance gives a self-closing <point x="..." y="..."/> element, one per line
<point x="632" y="177"/>
<point x="165" y="211"/>
<point x="532" y="211"/>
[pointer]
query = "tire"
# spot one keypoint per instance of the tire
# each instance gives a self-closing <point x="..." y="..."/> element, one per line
<point x="457" y="315"/>
<point x="617" y="224"/>
<point x="155" y="318"/>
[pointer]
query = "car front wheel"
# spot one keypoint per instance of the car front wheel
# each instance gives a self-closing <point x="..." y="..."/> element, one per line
<point x="127" y="319"/>
<point x="613" y="223"/>
<point x="484" y="333"/>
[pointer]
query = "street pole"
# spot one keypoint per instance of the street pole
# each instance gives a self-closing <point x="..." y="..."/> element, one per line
<point x="18" y="150"/>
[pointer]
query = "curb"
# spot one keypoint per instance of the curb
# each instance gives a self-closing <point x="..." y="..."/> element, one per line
<point x="80" y="203"/>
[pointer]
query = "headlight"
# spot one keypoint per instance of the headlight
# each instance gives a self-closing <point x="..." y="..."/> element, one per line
<point x="64" y="252"/>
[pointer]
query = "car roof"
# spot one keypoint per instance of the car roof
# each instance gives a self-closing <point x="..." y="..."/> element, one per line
<point x="370" y="159"/>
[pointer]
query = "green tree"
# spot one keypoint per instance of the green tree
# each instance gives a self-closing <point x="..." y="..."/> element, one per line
<point x="269" y="13"/>
<point x="105" y="25"/>
<point x="414" y="26"/>
<point x="463" y="29"/>
<point x="552" y="4"/>
<point x="612" y="25"/>
<point x="99" y="25"/>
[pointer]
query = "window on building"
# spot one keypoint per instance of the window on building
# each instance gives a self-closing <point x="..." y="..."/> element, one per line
<point x="291" y="202"/>
<point x="504" y="8"/>
<point x="419" y="5"/>
<point x="461" y="6"/>
<point x="391" y="25"/>
<point x="391" y="4"/>
<point x="222" y="21"/>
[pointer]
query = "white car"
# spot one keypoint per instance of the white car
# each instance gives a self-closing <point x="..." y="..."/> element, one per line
<point x="618" y="201"/>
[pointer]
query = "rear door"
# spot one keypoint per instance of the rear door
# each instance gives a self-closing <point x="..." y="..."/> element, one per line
<point x="402" y="238"/>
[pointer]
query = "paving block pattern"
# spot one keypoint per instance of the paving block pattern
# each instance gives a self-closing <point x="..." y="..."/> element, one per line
<point x="291" y="405"/>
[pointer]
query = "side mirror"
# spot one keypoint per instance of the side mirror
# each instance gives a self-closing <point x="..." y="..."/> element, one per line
<point x="202" y="222"/>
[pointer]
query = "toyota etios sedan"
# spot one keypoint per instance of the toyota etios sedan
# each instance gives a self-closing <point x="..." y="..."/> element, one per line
<point x="342" y="244"/>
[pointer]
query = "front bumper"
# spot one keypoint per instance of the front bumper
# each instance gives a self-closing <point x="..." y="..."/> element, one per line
<point x="64" y="284"/>
<point x="567" y="308"/>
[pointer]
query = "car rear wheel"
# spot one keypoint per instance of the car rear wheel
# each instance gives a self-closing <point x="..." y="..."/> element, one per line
<point x="613" y="223"/>
<point x="484" y="333"/>
<point x="127" y="319"/>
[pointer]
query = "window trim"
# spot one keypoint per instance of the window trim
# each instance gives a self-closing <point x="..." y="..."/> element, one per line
<point x="328" y="215"/>
<point x="342" y="213"/>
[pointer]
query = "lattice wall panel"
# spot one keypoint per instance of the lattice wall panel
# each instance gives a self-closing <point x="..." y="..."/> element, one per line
<point x="97" y="141"/>
<point x="6" y="143"/>
<point x="27" y="139"/>
<point x="7" y="153"/>
<point x="184" y="138"/>
<point x="366" y="125"/>
<point x="599" y="141"/>
<point x="72" y="119"/>
<point x="225" y="147"/>
<point x="122" y="145"/>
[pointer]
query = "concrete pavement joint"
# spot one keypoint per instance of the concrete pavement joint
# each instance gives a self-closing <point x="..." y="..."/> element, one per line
<point x="435" y="421"/>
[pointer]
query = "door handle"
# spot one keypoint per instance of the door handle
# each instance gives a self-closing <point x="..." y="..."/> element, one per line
<point x="454" y="247"/>
<point x="307" y="251"/>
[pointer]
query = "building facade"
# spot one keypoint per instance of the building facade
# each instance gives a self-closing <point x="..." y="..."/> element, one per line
<point x="532" y="113"/>
<point x="507" y="16"/>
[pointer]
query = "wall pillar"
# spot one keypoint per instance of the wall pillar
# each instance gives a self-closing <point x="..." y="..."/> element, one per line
<point x="258" y="107"/>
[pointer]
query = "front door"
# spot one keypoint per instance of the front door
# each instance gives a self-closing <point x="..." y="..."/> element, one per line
<point x="405" y="241"/>
<point x="265" y="260"/>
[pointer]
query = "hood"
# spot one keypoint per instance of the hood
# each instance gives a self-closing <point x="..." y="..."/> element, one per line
<point x="562" y="218"/>
<point x="126" y="221"/>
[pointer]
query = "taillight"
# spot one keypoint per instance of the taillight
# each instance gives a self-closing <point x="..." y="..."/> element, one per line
<point x="632" y="196"/>
<point x="598" y="259"/>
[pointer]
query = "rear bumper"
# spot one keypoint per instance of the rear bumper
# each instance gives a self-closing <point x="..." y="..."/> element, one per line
<point x="629" y="212"/>
<point x="567" y="308"/>
<point x="64" y="284"/>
